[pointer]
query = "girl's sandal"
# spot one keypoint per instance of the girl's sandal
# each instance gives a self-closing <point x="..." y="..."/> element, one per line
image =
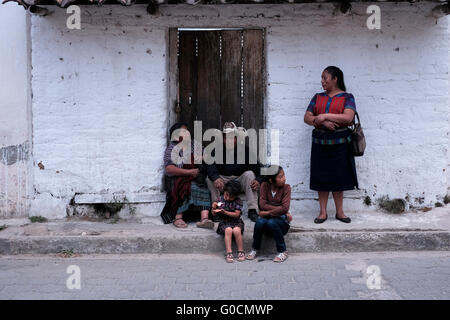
<point x="282" y="256"/>
<point x="229" y="257"/>
<point x="241" y="256"/>
<point x="179" y="223"/>
<point x="251" y="255"/>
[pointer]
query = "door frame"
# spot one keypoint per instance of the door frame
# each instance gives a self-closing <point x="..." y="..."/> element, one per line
<point x="172" y="68"/>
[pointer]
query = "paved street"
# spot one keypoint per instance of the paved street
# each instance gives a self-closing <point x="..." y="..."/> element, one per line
<point x="407" y="275"/>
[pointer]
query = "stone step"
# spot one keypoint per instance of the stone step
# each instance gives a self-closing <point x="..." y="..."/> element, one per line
<point x="83" y="237"/>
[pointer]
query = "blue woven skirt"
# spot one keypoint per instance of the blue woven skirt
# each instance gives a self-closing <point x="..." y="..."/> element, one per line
<point x="332" y="161"/>
<point x="199" y="199"/>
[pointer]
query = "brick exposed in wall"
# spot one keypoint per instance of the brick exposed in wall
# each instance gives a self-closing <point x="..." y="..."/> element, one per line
<point x="12" y="154"/>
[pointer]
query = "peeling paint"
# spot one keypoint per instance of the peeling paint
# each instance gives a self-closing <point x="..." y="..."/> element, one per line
<point x="13" y="154"/>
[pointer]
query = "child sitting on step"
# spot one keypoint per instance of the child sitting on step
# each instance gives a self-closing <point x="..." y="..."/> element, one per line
<point x="274" y="216"/>
<point x="229" y="207"/>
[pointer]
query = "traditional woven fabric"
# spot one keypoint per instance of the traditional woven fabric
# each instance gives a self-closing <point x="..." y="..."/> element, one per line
<point x="199" y="199"/>
<point x="323" y="103"/>
<point x="332" y="166"/>
<point x="332" y="141"/>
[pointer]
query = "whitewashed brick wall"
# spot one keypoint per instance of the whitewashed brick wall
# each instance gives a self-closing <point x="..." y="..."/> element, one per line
<point x="100" y="109"/>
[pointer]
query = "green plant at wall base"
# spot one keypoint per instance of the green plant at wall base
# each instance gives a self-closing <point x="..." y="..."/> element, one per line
<point x="392" y="206"/>
<point x="109" y="209"/>
<point x="367" y="201"/>
<point x="131" y="208"/>
<point x="3" y="227"/>
<point x="37" y="219"/>
<point x="66" y="253"/>
<point x="446" y="199"/>
<point x="115" y="206"/>
<point x="438" y="204"/>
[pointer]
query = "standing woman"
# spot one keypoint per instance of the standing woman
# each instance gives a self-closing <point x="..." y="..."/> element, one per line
<point x="332" y="161"/>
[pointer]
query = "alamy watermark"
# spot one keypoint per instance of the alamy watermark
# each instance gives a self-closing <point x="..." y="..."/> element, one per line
<point x="373" y="21"/>
<point x="213" y="153"/>
<point x="73" y="282"/>
<point x="373" y="281"/>
<point x="74" y="20"/>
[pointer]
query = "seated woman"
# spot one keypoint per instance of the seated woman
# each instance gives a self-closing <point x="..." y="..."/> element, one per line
<point x="185" y="183"/>
<point x="274" y="215"/>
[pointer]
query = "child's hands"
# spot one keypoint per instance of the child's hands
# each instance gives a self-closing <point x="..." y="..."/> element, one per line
<point x="214" y="205"/>
<point x="289" y="217"/>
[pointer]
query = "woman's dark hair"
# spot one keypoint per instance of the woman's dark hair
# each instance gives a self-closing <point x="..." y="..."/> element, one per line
<point x="337" y="73"/>
<point x="176" y="126"/>
<point x="233" y="187"/>
<point x="274" y="176"/>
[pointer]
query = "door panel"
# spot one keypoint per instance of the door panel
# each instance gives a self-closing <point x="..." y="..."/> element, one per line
<point x="253" y="114"/>
<point x="208" y="81"/>
<point x="187" y="82"/>
<point x="221" y="77"/>
<point x="230" y="84"/>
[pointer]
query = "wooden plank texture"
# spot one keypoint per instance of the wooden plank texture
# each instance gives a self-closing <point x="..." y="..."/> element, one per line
<point x="208" y="92"/>
<point x="187" y="70"/>
<point x="253" y="78"/>
<point x="230" y="83"/>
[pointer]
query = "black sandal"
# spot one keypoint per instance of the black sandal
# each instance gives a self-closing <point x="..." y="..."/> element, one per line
<point x="345" y="220"/>
<point x="317" y="220"/>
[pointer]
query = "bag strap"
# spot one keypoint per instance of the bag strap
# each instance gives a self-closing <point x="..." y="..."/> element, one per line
<point x="356" y="116"/>
<point x="353" y="125"/>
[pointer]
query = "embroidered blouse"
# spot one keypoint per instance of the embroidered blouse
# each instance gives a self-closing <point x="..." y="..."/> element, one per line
<point x="323" y="103"/>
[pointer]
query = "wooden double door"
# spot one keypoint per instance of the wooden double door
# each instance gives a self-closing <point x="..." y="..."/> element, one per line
<point x="220" y="77"/>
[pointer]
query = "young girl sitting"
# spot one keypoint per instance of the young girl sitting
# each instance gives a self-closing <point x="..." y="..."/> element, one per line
<point x="274" y="216"/>
<point x="229" y="207"/>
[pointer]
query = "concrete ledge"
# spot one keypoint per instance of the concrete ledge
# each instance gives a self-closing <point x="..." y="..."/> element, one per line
<point x="149" y="197"/>
<point x="297" y="242"/>
<point x="144" y="197"/>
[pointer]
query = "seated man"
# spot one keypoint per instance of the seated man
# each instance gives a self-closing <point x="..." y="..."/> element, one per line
<point x="247" y="174"/>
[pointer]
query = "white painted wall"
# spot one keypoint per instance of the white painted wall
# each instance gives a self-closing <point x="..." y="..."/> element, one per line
<point x="100" y="106"/>
<point x="15" y="114"/>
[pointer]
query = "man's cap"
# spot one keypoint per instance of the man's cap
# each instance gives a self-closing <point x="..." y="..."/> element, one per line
<point x="229" y="127"/>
